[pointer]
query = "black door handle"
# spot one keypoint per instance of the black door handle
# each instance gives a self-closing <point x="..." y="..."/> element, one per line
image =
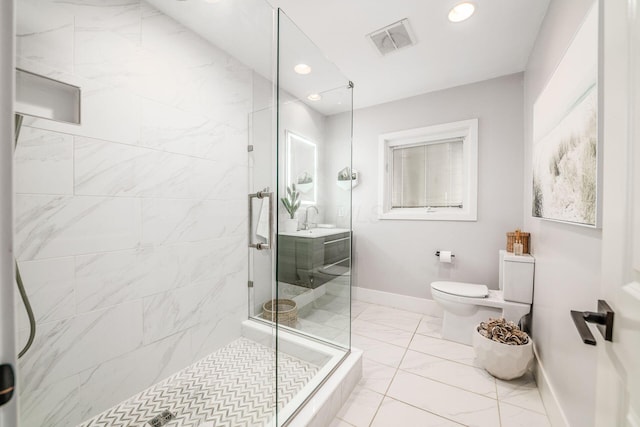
<point x="603" y="318"/>
<point x="7" y="383"/>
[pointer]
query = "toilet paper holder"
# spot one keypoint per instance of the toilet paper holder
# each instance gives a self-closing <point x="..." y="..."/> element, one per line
<point x="438" y="254"/>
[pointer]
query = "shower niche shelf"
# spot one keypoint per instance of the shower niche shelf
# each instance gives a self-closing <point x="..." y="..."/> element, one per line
<point x="47" y="98"/>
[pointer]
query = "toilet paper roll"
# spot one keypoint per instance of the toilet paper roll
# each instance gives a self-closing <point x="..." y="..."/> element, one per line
<point x="445" y="256"/>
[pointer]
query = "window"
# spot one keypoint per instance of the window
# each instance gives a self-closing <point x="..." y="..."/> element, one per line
<point x="430" y="173"/>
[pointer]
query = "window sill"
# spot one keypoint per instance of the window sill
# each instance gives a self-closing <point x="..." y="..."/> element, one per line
<point x="428" y="215"/>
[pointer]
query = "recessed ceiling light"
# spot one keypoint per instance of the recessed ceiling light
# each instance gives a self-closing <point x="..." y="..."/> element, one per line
<point x="302" y="69"/>
<point x="314" y="97"/>
<point x="461" y="12"/>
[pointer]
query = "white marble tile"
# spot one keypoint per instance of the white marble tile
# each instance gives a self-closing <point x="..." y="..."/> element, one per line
<point x="380" y="332"/>
<point x="56" y="226"/>
<point x="376" y="376"/>
<point x="360" y="407"/>
<point x="221" y="91"/>
<point x="177" y="310"/>
<point x="174" y="130"/>
<point x="166" y="221"/>
<point x="105" y="168"/>
<point x="393" y="412"/>
<point x="105" y="55"/>
<point x="112" y="278"/>
<point x="52" y="405"/>
<point x="111" y="382"/>
<point x="453" y="373"/>
<point x="173" y="43"/>
<point x="70" y="346"/>
<point x="522" y="392"/>
<point x="395" y="318"/>
<point x="109" y="112"/>
<point x="43" y="162"/>
<point x="514" y="416"/>
<point x="446" y="401"/>
<point x="174" y="311"/>
<point x="122" y="18"/>
<point x="317" y="329"/>
<point x="378" y="351"/>
<point x="208" y="260"/>
<point x="50" y="286"/>
<point x="430" y="326"/>
<point x="226" y="181"/>
<point x="445" y="349"/>
<point x="333" y="303"/>
<point x="45" y="34"/>
<point x="210" y="335"/>
<point x="358" y="307"/>
<point x="337" y="422"/>
<point x="324" y="317"/>
<point x="107" y="41"/>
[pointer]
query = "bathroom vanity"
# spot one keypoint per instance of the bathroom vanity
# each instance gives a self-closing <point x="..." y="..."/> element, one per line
<point x="310" y="258"/>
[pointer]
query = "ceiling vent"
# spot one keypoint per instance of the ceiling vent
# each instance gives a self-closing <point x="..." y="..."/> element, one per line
<point x="392" y="37"/>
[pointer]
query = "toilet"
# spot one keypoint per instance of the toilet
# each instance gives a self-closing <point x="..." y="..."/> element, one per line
<point x="467" y="304"/>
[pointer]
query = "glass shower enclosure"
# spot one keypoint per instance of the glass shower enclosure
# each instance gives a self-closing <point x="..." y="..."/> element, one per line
<point x="170" y="129"/>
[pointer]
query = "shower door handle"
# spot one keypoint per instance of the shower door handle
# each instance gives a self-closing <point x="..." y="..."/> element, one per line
<point x="261" y="195"/>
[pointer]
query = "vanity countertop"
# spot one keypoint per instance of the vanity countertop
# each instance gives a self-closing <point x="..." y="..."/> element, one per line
<point x="316" y="232"/>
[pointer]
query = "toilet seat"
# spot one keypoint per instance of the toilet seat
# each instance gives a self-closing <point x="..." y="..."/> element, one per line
<point x="467" y="290"/>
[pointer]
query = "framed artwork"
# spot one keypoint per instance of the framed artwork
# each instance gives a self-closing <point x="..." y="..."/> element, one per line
<point x="565" y="135"/>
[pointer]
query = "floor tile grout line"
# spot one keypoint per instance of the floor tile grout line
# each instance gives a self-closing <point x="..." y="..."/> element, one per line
<point x="450" y="385"/>
<point x="406" y="349"/>
<point x="499" y="413"/>
<point x="424" y="410"/>
<point x="523" y="407"/>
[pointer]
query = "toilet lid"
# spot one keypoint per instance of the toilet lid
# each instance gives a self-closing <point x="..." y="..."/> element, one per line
<point x="469" y="290"/>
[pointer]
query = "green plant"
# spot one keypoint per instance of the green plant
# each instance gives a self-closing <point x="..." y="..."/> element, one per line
<point x="291" y="201"/>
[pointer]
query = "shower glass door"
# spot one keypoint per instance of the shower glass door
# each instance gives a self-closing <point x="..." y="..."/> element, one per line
<point x="314" y="239"/>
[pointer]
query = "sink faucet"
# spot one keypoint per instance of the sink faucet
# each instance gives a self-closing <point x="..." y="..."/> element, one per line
<point x="305" y="226"/>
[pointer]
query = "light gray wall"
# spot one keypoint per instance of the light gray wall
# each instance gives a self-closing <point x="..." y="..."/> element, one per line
<point x="567" y="256"/>
<point x="398" y="256"/>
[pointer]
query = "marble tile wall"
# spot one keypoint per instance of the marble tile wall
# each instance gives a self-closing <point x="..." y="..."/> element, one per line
<point x="131" y="228"/>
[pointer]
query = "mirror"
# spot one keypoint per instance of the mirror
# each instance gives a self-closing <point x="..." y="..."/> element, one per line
<point x="302" y="167"/>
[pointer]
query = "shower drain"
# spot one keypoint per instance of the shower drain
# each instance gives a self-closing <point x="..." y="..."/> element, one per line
<point x="162" y="419"/>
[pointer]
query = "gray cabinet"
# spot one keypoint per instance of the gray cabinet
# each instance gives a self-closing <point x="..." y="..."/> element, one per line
<point x="312" y="261"/>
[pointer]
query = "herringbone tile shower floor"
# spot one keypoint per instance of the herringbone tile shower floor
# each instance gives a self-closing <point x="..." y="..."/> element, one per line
<point x="233" y="387"/>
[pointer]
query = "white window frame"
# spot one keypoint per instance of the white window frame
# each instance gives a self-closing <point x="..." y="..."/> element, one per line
<point x="466" y="129"/>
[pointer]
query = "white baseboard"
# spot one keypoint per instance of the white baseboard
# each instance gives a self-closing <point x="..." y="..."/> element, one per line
<point x="403" y="302"/>
<point x="555" y="413"/>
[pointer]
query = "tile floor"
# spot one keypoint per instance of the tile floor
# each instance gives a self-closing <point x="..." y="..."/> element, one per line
<point x="412" y="377"/>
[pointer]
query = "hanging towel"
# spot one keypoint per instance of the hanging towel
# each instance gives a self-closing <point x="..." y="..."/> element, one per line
<point x="263" y="221"/>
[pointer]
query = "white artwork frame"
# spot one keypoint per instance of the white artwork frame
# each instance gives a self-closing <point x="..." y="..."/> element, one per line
<point x="566" y="172"/>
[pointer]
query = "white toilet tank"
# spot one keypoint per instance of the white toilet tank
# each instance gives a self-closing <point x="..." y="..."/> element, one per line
<point x="516" y="277"/>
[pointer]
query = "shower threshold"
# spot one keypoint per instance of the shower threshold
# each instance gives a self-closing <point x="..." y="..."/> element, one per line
<point x="234" y="386"/>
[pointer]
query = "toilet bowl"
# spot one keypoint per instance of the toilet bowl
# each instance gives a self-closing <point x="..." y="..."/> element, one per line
<point x="465" y="305"/>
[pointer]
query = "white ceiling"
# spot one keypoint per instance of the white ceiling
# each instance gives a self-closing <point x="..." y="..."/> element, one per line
<point x="495" y="41"/>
